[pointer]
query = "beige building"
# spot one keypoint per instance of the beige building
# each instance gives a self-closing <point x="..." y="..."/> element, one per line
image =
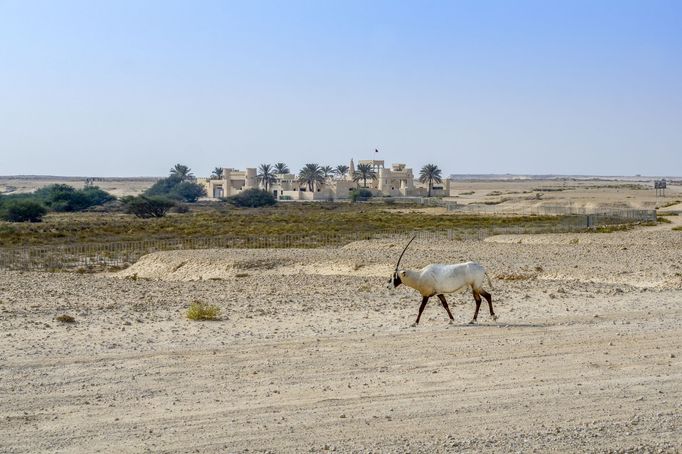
<point x="396" y="181"/>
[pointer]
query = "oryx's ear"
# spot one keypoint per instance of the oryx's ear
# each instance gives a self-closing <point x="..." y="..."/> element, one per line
<point x="401" y="273"/>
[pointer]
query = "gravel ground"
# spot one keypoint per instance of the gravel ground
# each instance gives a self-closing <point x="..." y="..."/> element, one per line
<point x="314" y="353"/>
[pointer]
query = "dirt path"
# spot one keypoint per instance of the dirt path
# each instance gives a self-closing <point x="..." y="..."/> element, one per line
<point x="580" y="361"/>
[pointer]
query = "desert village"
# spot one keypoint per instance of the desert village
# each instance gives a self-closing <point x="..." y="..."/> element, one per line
<point x="396" y="181"/>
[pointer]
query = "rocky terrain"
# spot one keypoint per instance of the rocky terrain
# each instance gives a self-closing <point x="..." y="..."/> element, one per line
<point x="312" y="352"/>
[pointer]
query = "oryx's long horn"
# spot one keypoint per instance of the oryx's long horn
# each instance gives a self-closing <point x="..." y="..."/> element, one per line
<point x="401" y="255"/>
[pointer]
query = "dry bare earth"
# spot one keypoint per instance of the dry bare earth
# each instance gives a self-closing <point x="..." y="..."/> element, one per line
<point x="315" y="353"/>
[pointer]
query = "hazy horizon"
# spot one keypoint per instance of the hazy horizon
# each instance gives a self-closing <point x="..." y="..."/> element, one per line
<point x="125" y="89"/>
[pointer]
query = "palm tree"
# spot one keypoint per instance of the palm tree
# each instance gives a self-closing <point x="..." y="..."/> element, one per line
<point x="181" y="172"/>
<point x="217" y="173"/>
<point x="341" y="171"/>
<point x="327" y="171"/>
<point x="311" y="174"/>
<point x="430" y="173"/>
<point x="265" y="175"/>
<point x="281" y="168"/>
<point x="364" y="172"/>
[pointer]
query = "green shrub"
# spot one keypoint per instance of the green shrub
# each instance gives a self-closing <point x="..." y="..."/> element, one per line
<point x="178" y="185"/>
<point x="187" y="191"/>
<point x="253" y="198"/>
<point x="148" y="206"/>
<point x="65" y="198"/>
<point x="23" y="211"/>
<point x="201" y="311"/>
<point x="360" y="194"/>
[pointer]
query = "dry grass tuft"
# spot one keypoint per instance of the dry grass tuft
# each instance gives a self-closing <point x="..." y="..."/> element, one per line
<point x="65" y="319"/>
<point x="515" y="277"/>
<point x="201" y="311"/>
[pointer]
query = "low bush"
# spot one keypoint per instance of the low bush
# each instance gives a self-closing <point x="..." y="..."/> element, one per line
<point x="360" y="194"/>
<point x="202" y="311"/>
<point x="252" y="198"/>
<point x="187" y="191"/>
<point x="23" y="211"/>
<point x="148" y="206"/>
<point x="65" y="198"/>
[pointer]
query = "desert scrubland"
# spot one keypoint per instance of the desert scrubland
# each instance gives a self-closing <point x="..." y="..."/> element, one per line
<point x="312" y="351"/>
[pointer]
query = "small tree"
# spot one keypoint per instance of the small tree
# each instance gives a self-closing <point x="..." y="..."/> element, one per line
<point x="23" y="211"/>
<point x="252" y="198"/>
<point x="178" y="185"/>
<point x="148" y="206"/>
<point x="187" y="191"/>
<point x="430" y="173"/>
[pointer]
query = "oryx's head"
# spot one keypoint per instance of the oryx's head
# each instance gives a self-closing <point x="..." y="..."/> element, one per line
<point x="395" y="279"/>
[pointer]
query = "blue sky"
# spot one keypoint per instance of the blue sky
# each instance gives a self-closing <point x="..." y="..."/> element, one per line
<point x="126" y="88"/>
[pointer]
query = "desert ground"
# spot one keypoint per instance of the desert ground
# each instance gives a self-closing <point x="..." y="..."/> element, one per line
<point x="312" y="351"/>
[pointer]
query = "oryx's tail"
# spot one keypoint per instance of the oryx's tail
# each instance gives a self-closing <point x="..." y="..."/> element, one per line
<point x="489" y="283"/>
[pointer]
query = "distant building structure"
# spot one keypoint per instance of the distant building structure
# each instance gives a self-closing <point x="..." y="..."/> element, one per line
<point x="660" y="186"/>
<point x="396" y="181"/>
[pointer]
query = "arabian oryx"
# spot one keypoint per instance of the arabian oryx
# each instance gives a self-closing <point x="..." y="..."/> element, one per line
<point x="437" y="279"/>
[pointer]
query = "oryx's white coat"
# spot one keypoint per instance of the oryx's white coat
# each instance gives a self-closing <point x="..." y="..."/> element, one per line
<point x="436" y="279"/>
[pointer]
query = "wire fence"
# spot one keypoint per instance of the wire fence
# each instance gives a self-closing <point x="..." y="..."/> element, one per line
<point x="90" y="257"/>
<point x="617" y="215"/>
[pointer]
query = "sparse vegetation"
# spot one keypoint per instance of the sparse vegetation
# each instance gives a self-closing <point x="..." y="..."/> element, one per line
<point x="202" y="311"/>
<point x="64" y="318"/>
<point x="669" y="204"/>
<point x="514" y="277"/>
<point x="223" y="219"/>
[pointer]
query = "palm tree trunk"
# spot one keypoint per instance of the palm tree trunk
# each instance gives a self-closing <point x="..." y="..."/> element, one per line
<point x="430" y="184"/>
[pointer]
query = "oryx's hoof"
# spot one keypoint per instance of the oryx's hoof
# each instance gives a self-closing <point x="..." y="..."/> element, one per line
<point x="472" y="322"/>
<point x="414" y="325"/>
<point x="494" y="317"/>
<point x="451" y="322"/>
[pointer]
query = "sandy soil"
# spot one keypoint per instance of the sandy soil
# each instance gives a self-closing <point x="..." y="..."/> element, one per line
<point x="117" y="186"/>
<point x="314" y="353"/>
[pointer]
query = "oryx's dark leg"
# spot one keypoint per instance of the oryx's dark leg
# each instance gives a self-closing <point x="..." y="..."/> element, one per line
<point x="445" y="305"/>
<point x="477" y="297"/>
<point x="489" y="298"/>
<point x="421" y="309"/>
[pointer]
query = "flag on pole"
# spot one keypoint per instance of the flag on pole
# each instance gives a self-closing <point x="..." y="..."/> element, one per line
<point x="376" y="151"/>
